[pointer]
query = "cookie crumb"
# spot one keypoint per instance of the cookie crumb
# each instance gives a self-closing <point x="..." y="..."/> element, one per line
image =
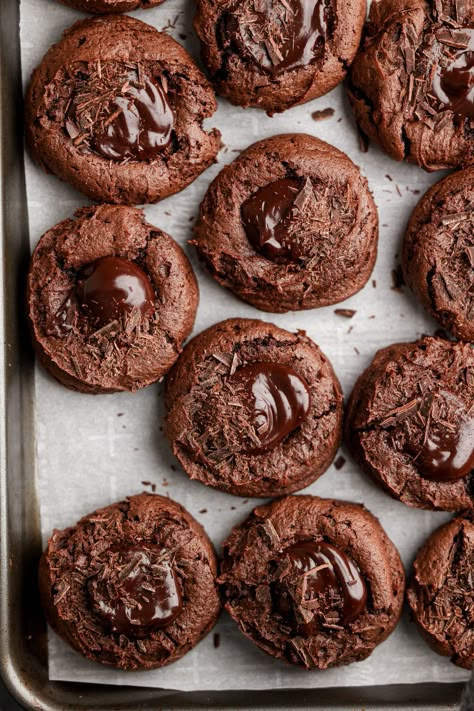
<point x="339" y="463"/>
<point x="322" y="114"/>
<point x="347" y="313"/>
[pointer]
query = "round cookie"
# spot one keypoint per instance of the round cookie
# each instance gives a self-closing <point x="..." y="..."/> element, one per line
<point x="116" y="109"/>
<point x="289" y="225"/>
<point x="274" y="55"/>
<point x="438" y="253"/>
<point x="252" y="409"/>
<point x="411" y="81"/>
<point x="316" y="582"/>
<point x="110" y="300"/>
<point x="105" y="6"/>
<point x="441" y="592"/>
<point x="410" y="423"/>
<point x="132" y="585"/>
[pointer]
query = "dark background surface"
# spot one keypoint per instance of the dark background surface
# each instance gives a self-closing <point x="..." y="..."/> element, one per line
<point x="6" y="701"/>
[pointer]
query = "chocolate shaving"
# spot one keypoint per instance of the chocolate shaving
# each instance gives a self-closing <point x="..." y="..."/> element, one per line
<point x="304" y="195"/>
<point x="322" y="114"/>
<point x="347" y="313"/>
<point x="270" y="531"/>
<point x="398" y="414"/>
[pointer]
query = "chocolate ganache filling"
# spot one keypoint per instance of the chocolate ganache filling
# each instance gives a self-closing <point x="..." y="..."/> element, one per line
<point x="277" y="36"/>
<point x="119" y="114"/>
<point x="264" y="217"/>
<point x="453" y="84"/>
<point x="279" y="401"/>
<point x="438" y="434"/>
<point x="106" y="290"/>
<point x="136" y="592"/>
<point x="315" y="585"/>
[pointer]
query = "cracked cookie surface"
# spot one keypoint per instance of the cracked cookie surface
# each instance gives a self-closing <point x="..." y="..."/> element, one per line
<point x="116" y="109"/>
<point x="438" y="253"/>
<point x="441" y="592"/>
<point x="100" y="7"/>
<point x="289" y="225"/>
<point x="132" y="585"/>
<point x="410" y="423"/>
<point x="252" y="409"/>
<point x="288" y="569"/>
<point x="85" y="332"/>
<point x="412" y="78"/>
<point x="274" y="54"/>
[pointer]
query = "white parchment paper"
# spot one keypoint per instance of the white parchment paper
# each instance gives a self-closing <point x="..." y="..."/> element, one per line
<point x="94" y="450"/>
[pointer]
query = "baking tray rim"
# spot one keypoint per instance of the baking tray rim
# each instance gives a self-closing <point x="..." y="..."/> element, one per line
<point x="23" y="663"/>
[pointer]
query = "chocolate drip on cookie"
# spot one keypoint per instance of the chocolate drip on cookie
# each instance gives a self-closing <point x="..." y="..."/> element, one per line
<point x="279" y="402"/>
<point x="453" y="83"/>
<point x="112" y="287"/>
<point x="317" y="583"/>
<point x="278" y="36"/>
<point x="444" y="449"/>
<point x="118" y="112"/>
<point x="106" y="290"/>
<point x="138" y="592"/>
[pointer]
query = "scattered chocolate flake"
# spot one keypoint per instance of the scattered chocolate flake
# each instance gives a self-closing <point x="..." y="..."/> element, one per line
<point x="171" y="24"/>
<point x="340" y="461"/>
<point x="389" y="177"/>
<point x="374" y="283"/>
<point x="398" y="190"/>
<point x="398" y="414"/>
<point x="347" y="313"/>
<point x="469" y="251"/>
<point x="357" y="350"/>
<point x="304" y="195"/>
<point x="270" y="531"/>
<point x="363" y="140"/>
<point x="216" y="640"/>
<point x="120" y="414"/>
<point x="398" y="282"/>
<point x="203" y="511"/>
<point x="322" y="114"/>
<point x="172" y="467"/>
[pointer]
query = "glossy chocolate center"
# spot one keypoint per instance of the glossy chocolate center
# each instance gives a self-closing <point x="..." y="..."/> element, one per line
<point x="447" y="453"/>
<point x="263" y="218"/>
<point x="277" y="36"/>
<point x="318" y="585"/>
<point x="138" y="594"/>
<point x="453" y="85"/>
<point x="139" y="125"/>
<point x="112" y="287"/>
<point x="278" y="398"/>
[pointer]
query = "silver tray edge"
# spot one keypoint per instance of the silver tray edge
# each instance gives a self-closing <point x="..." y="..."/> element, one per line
<point x="23" y="659"/>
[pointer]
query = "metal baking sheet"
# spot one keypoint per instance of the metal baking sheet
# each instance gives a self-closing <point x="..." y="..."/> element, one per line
<point x="22" y="634"/>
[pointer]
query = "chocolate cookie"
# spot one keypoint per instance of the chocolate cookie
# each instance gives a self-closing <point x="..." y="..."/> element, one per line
<point x="132" y="585"/>
<point x="441" y="593"/>
<point x="252" y="409"/>
<point x="410" y="423"/>
<point x="105" y="6"/>
<point x="116" y="109"/>
<point x="411" y="81"/>
<point x="110" y="300"/>
<point x="289" y="225"/>
<point x="274" y="55"/>
<point x="438" y="253"/>
<point x="316" y="582"/>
